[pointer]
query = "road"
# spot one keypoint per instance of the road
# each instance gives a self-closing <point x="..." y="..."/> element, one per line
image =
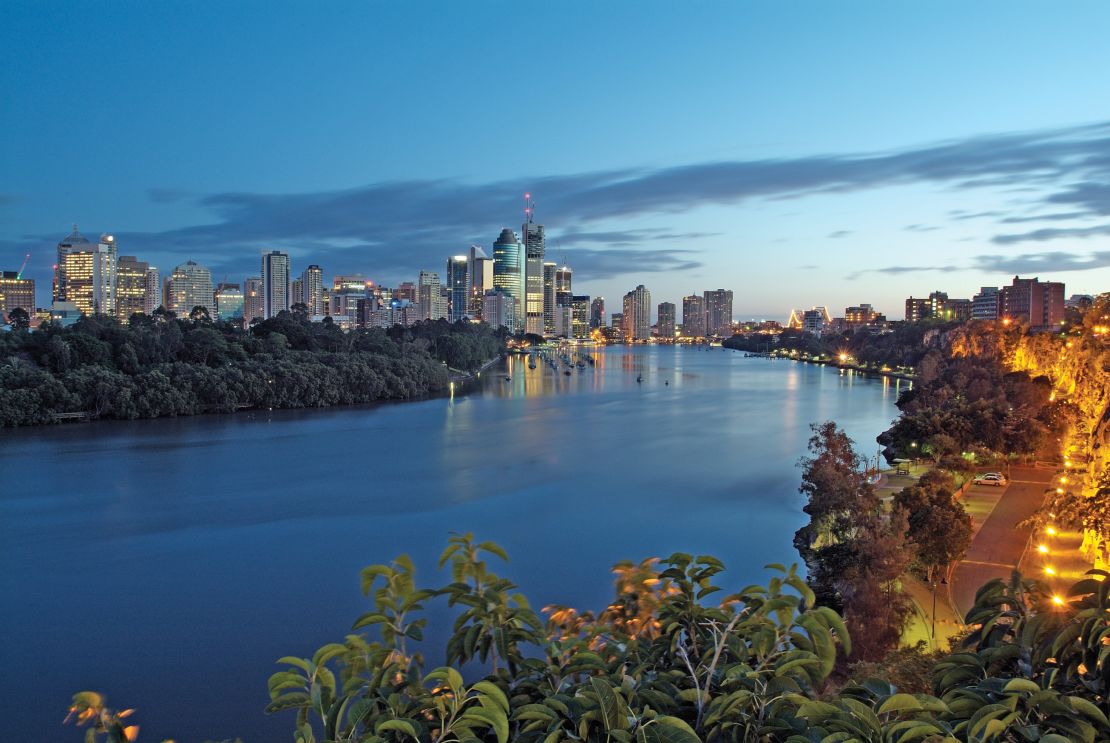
<point x="998" y="546"/>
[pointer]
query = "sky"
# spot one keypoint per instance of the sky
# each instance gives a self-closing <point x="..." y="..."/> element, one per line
<point x="800" y="154"/>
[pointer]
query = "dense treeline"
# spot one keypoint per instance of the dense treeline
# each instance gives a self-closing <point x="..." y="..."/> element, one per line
<point x="671" y="661"/>
<point x="903" y="345"/>
<point x="161" y="365"/>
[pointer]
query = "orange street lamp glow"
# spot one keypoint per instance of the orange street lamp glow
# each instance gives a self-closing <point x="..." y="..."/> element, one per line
<point x="1058" y="600"/>
<point x="1050" y="531"/>
<point x="1043" y="549"/>
<point x="843" y="357"/>
<point x="1060" y="490"/>
<point x="1049" y="571"/>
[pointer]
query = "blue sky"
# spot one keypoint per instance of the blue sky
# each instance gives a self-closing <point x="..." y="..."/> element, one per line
<point x="797" y="153"/>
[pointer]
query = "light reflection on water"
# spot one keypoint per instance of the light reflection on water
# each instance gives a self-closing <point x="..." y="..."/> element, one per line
<point x="158" y="560"/>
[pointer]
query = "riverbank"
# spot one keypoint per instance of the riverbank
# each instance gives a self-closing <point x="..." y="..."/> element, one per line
<point x="835" y="363"/>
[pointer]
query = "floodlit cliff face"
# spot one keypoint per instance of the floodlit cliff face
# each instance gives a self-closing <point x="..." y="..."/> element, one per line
<point x="1078" y="364"/>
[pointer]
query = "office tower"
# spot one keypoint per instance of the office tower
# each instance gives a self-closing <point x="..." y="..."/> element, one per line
<point x="312" y="290"/>
<point x="75" y="242"/>
<point x="190" y="286"/>
<point x="665" y="323"/>
<point x="563" y="276"/>
<point x="458" y="287"/>
<point x="229" y="303"/>
<point x="481" y="279"/>
<point x="132" y="285"/>
<point x="549" y="297"/>
<point x="693" y="316"/>
<point x="718" y="312"/>
<point x="429" y="292"/>
<point x="597" y="313"/>
<point x="499" y="308"/>
<point x="985" y="304"/>
<point x="938" y="302"/>
<point x="637" y="314"/>
<point x="580" y="316"/>
<point x="564" y="321"/>
<point x="16" y="292"/>
<point x="617" y="322"/>
<point x="1038" y="303"/>
<point x="86" y="274"/>
<point x="275" y="283"/>
<point x="406" y="291"/>
<point x="153" y="294"/>
<point x="296" y="292"/>
<point x="533" y="279"/>
<point x="253" y="304"/>
<point x="509" y="271"/>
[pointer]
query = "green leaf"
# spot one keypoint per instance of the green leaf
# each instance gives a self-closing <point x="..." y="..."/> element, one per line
<point x="900" y="703"/>
<point x="1019" y="685"/>
<point x="292" y="700"/>
<point x="493" y="691"/>
<point x="664" y="729"/>
<point x="613" y="709"/>
<point x="400" y="726"/>
<point x="495" y="719"/>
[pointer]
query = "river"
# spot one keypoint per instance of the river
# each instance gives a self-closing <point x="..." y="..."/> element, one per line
<point x="169" y="563"/>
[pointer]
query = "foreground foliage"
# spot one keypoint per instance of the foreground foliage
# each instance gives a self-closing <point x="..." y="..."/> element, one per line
<point x="671" y="661"/>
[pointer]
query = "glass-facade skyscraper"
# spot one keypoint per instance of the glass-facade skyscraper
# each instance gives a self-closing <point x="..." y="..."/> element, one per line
<point x="275" y="283"/>
<point x="534" y="321"/>
<point x="509" y="272"/>
<point x="458" y="287"/>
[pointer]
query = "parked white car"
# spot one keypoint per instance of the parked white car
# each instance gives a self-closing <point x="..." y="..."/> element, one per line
<point x="990" y="478"/>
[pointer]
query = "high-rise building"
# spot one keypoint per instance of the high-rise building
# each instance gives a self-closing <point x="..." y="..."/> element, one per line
<point x="534" y="247"/>
<point x="406" y="291"/>
<point x="580" y="316"/>
<point x="481" y="278"/>
<point x="275" y="283"/>
<point x="131" y="287"/>
<point x="458" y="287"/>
<point x="549" y="269"/>
<point x="16" y="292"/>
<point x="718" y="312"/>
<point x="75" y="242"/>
<point x="190" y="285"/>
<point x="693" y="316"/>
<point x="509" y="272"/>
<point x="499" y="309"/>
<point x="637" y="314"/>
<point x="154" y="298"/>
<point x="312" y="290"/>
<point x="253" y="304"/>
<point x="597" y="313"/>
<point x="86" y="274"/>
<point x="229" y="303"/>
<point x="665" y="322"/>
<point x="433" y="302"/>
<point x="1039" y="303"/>
<point x="616" y="321"/>
<point x="296" y="292"/>
<point x="563" y="276"/>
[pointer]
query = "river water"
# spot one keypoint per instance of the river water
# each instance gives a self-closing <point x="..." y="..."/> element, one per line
<point x="169" y="563"/>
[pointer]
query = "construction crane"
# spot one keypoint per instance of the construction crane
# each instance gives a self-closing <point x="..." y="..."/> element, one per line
<point x="24" y="266"/>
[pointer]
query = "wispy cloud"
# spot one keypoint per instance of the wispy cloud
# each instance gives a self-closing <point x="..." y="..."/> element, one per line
<point x="392" y="227"/>
<point x="839" y="234"/>
<point x="1049" y="262"/>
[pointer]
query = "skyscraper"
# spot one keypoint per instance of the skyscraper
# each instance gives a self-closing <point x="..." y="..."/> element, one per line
<point x="131" y="287"/>
<point x="190" y="286"/>
<point x="718" y="312"/>
<point x="86" y="274"/>
<point x="458" y="287"/>
<point x="509" y="272"/>
<point x="580" y="316"/>
<point x="499" y="309"/>
<point x="481" y="278"/>
<point x="154" y="298"/>
<point x="533" y="280"/>
<point x="253" y="304"/>
<point x="312" y="290"/>
<point x="693" y="317"/>
<point x="433" y="302"/>
<point x="548" y="298"/>
<point x="637" y="314"/>
<point x="597" y="313"/>
<point x="665" y="323"/>
<point x="563" y="276"/>
<point x="275" y="283"/>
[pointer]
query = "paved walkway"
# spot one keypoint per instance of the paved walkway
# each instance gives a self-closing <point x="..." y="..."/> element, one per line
<point x="998" y="544"/>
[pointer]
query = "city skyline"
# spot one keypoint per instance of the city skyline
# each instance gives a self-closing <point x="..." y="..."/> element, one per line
<point x="799" y="180"/>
